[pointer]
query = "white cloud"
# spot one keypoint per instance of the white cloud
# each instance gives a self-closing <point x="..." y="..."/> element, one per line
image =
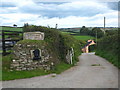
<point x="70" y="14"/>
<point x="83" y="8"/>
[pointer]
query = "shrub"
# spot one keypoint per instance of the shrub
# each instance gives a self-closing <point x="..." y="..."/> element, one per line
<point x="58" y="42"/>
<point x="109" y="48"/>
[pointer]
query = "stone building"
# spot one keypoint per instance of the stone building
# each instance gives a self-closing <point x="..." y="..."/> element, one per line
<point x="33" y="53"/>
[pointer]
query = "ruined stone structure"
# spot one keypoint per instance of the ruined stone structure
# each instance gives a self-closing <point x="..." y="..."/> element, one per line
<point x="30" y="56"/>
<point x="24" y="58"/>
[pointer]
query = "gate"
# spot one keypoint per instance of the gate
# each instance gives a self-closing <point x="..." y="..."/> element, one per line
<point x="9" y="39"/>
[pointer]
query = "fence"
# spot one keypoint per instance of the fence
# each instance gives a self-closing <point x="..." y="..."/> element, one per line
<point x="9" y="38"/>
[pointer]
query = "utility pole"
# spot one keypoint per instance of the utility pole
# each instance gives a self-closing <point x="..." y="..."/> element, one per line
<point x="56" y="26"/>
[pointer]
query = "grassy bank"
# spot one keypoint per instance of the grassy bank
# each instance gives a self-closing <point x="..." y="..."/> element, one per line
<point x="57" y="42"/>
<point x="108" y="48"/>
<point x="8" y="74"/>
<point x="109" y="56"/>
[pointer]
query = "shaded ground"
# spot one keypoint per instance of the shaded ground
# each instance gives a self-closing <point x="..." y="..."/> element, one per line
<point x="91" y="72"/>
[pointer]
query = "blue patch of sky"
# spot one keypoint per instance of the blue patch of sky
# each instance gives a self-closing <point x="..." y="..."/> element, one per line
<point x="7" y="5"/>
<point x="57" y="3"/>
<point x="113" y="5"/>
<point x="119" y="6"/>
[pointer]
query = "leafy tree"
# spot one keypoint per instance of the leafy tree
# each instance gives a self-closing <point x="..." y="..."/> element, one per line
<point x="84" y="31"/>
<point x="111" y="32"/>
<point x="99" y="32"/>
<point x="14" y="25"/>
<point x="26" y="24"/>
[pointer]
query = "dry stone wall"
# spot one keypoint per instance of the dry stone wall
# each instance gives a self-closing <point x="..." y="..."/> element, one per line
<point x="24" y="58"/>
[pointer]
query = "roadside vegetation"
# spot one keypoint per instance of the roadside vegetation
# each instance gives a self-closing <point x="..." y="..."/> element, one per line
<point x="108" y="47"/>
<point x="58" y="42"/>
<point x="107" y="44"/>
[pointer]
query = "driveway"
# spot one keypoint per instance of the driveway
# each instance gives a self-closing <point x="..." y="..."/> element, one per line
<point x="91" y="72"/>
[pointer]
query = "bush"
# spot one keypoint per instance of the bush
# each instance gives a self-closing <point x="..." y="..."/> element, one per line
<point x="59" y="42"/>
<point x="109" y="48"/>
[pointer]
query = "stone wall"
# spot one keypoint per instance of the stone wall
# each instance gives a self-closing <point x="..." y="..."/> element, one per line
<point x="24" y="58"/>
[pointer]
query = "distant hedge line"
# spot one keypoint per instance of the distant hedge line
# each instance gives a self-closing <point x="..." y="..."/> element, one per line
<point x="108" y="47"/>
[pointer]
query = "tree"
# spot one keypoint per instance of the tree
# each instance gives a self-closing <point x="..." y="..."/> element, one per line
<point x="14" y="25"/>
<point x="26" y="24"/>
<point x="99" y="32"/>
<point x="84" y="31"/>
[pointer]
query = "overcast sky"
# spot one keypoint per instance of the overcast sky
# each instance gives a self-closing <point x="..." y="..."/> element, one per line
<point x="66" y="13"/>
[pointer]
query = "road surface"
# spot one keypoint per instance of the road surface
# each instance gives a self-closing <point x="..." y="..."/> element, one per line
<point x="91" y="72"/>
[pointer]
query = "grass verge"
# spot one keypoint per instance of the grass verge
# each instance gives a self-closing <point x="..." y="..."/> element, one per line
<point x="7" y="74"/>
<point x="109" y="56"/>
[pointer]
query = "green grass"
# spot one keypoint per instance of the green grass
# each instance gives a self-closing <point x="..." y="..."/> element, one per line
<point x="11" y="75"/>
<point x="7" y="74"/>
<point x="109" y="56"/>
<point x="61" y="67"/>
<point x="79" y="37"/>
<point x="11" y="28"/>
<point x="67" y="33"/>
<point x="84" y="38"/>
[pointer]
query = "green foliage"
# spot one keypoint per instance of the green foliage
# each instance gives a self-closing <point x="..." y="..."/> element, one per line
<point x="111" y="32"/>
<point x="61" y="67"/>
<point x="6" y="61"/>
<point x="59" y="42"/>
<point x="109" y="48"/>
<point x="111" y="57"/>
<point x="84" y="31"/>
<point x="99" y="32"/>
<point x="11" y="75"/>
<point x="92" y="48"/>
<point x="56" y="42"/>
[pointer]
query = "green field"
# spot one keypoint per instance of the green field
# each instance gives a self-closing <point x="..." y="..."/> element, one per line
<point x="11" y="28"/>
<point x="67" y="33"/>
<point x="84" y="38"/>
<point x="79" y="37"/>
